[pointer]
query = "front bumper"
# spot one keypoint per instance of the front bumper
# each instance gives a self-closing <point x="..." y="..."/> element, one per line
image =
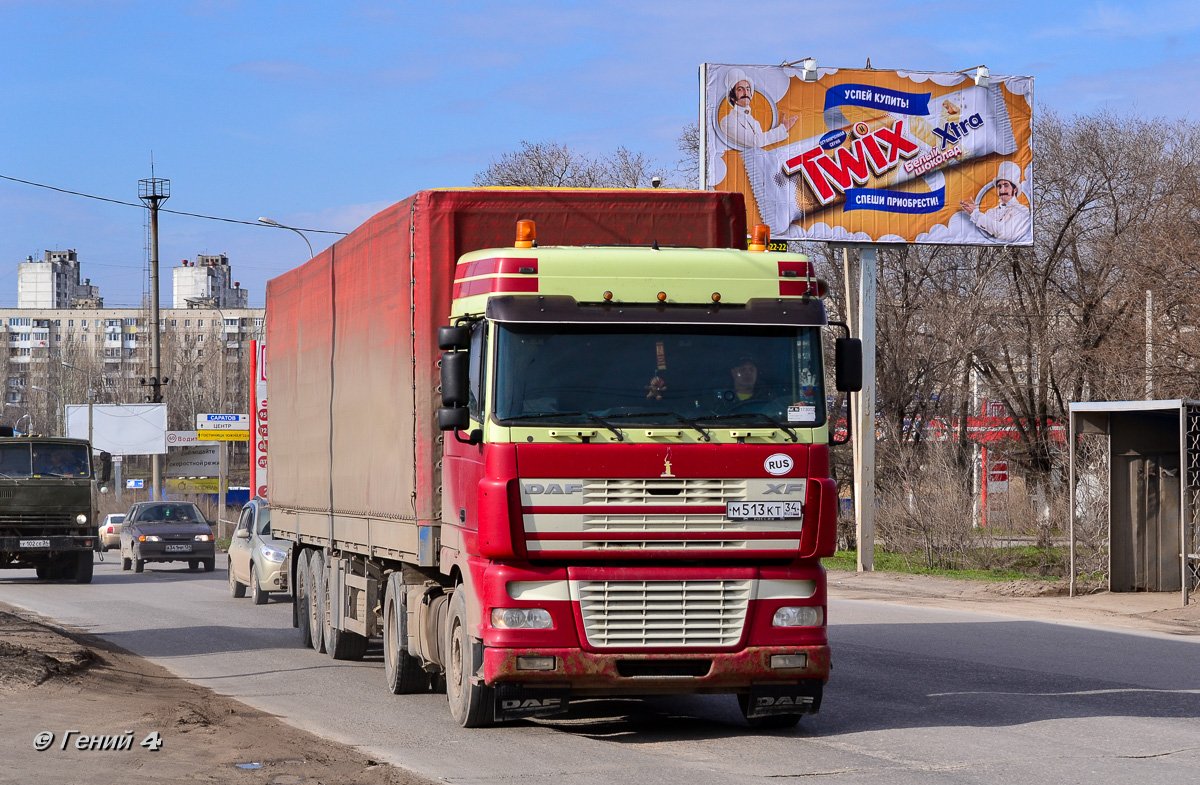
<point x="39" y="543"/>
<point x="585" y="673"/>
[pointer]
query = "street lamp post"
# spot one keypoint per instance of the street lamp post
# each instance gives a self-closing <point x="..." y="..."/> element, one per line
<point x="277" y="225"/>
<point x="60" y="408"/>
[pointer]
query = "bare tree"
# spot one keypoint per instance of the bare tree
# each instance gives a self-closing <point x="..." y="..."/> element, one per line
<point x="688" y="164"/>
<point x="552" y="165"/>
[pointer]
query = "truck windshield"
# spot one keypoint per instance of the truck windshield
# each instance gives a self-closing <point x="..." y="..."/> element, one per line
<point x="34" y="459"/>
<point x="659" y="374"/>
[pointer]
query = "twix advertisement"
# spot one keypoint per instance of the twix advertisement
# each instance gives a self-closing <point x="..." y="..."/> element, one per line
<point x="864" y="155"/>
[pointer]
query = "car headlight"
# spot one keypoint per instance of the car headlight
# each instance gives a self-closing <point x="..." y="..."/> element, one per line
<point x="273" y="554"/>
<point x="149" y="538"/>
<point x="81" y="518"/>
<point x="798" y="616"/>
<point x="521" y="619"/>
<point x="203" y="538"/>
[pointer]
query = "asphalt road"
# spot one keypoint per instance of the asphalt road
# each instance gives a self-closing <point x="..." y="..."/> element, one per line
<point x="918" y="695"/>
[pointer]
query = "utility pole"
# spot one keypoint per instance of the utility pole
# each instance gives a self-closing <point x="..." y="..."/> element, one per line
<point x="153" y="192"/>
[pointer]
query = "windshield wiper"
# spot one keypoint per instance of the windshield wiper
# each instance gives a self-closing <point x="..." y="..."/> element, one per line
<point x="554" y="415"/>
<point x="687" y="420"/>
<point x="745" y="415"/>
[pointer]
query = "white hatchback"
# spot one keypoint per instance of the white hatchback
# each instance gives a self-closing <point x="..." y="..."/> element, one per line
<point x="110" y="531"/>
<point x="257" y="559"/>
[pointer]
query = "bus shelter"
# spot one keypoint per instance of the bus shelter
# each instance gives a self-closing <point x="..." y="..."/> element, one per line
<point x="1153" y="491"/>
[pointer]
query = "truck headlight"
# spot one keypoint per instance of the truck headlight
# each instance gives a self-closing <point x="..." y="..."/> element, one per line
<point x="273" y="554"/>
<point x="798" y="616"/>
<point x="203" y="538"/>
<point x="521" y="619"/>
<point x="81" y="518"/>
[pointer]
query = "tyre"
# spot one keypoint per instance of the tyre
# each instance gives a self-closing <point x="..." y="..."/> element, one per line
<point x="44" y="571"/>
<point x="303" y="584"/>
<point x="84" y="566"/>
<point x="257" y="595"/>
<point x="774" y="721"/>
<point x="193" y="564"/>
<point x="139" y="563"/>
<point x="209" y="564"/>
<point x="316" y="599"/>
<point x="237" y="589"/>
<point x="340" y="644"/>
<point x="472" y="705"/>
<point x="403" y="672"/>
<point x="126" y="564"/>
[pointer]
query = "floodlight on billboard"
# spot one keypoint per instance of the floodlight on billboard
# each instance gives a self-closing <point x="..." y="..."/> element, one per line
<point x="865" y="155"/>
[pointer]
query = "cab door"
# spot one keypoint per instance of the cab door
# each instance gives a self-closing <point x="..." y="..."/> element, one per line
<point x="241" y="545"/>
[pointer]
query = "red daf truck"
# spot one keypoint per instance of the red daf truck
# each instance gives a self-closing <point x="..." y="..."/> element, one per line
<point x="512" y="435"/>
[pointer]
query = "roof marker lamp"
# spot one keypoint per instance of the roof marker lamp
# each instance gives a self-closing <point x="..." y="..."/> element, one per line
<point x="760" y="235"/>
<point x="716" y="297"/>
<point x="526" y="234"/>
<point x="662" y="297"/>
<point x="608" y="297"/>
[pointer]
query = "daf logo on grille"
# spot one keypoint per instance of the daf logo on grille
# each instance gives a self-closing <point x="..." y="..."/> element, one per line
<point x="784" y="488"/>
<point x="553" y="487"/>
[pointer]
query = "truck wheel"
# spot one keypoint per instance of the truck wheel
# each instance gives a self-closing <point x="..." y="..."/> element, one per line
<point x="84" y="567"/>
<point x="316" y="600"/>
<point x="237" y="589"/>
<point x="304" y="599"/>
<point x="257" y="595"/>
<point x="472" y="705"/>
<point x="403" y="671"/>
<point x="766" y="723"/>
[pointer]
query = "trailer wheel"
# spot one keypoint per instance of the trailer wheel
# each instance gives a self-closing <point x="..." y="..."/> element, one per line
<point x="472" y="705"/>
<point x="304" y="599"/>
<point x="341" y="644"/>
<point x="237" y="589"/>
<point x="404" y="673"/>
<point x="84" y="566"/>
<point x="316" y="600"/>
<point x="766" y="723"/>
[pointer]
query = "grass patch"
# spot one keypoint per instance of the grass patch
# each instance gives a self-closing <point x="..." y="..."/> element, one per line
<point x="222" y="543"/>
<point x="1009" y="564"/>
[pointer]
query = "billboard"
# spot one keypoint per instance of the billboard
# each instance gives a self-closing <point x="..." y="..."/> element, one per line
<point x="258" y="420"/>
<point x="866" y="155"/>
<point x="121" y="428"/>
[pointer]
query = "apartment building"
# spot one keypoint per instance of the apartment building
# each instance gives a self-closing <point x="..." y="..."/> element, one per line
<point x="56" y="355"/>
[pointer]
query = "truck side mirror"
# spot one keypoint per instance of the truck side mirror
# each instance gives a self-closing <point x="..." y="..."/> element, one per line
<point x="847" y="363"/>
<point x="455" y="378"/>
<point x="452" y="418"/>
<point x="105" y="468"/>
<point x="453" y="338"/>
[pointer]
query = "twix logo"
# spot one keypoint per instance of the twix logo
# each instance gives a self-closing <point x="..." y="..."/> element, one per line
<point x="872" y="152"/>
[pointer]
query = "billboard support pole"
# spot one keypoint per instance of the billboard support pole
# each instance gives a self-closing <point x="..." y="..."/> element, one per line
<point x="864" y="466"/>
<point x="703" y="153"/>
<point x="222" y="472"/>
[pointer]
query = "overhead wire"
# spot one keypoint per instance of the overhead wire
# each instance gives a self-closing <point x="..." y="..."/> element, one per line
<point x="161" y="209"/>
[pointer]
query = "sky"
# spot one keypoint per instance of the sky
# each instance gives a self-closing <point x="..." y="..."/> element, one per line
<point x="320" y="114"/>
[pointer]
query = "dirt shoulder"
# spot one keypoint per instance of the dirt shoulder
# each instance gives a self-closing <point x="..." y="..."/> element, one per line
<point x="1048" y="600"/>
<point x="55" y="681"/>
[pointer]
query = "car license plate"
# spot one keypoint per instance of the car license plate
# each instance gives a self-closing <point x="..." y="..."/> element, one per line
<point x="35" y="543"/>
<point x="185" y="548"/>
<point x="763" y="511"/>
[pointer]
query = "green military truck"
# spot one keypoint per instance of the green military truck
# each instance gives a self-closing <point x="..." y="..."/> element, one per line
<point x="47" y="508"/>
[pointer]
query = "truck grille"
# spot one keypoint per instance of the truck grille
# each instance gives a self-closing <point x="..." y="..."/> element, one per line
<point x="641" y="614"/>
<point x="663" y="491"/>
